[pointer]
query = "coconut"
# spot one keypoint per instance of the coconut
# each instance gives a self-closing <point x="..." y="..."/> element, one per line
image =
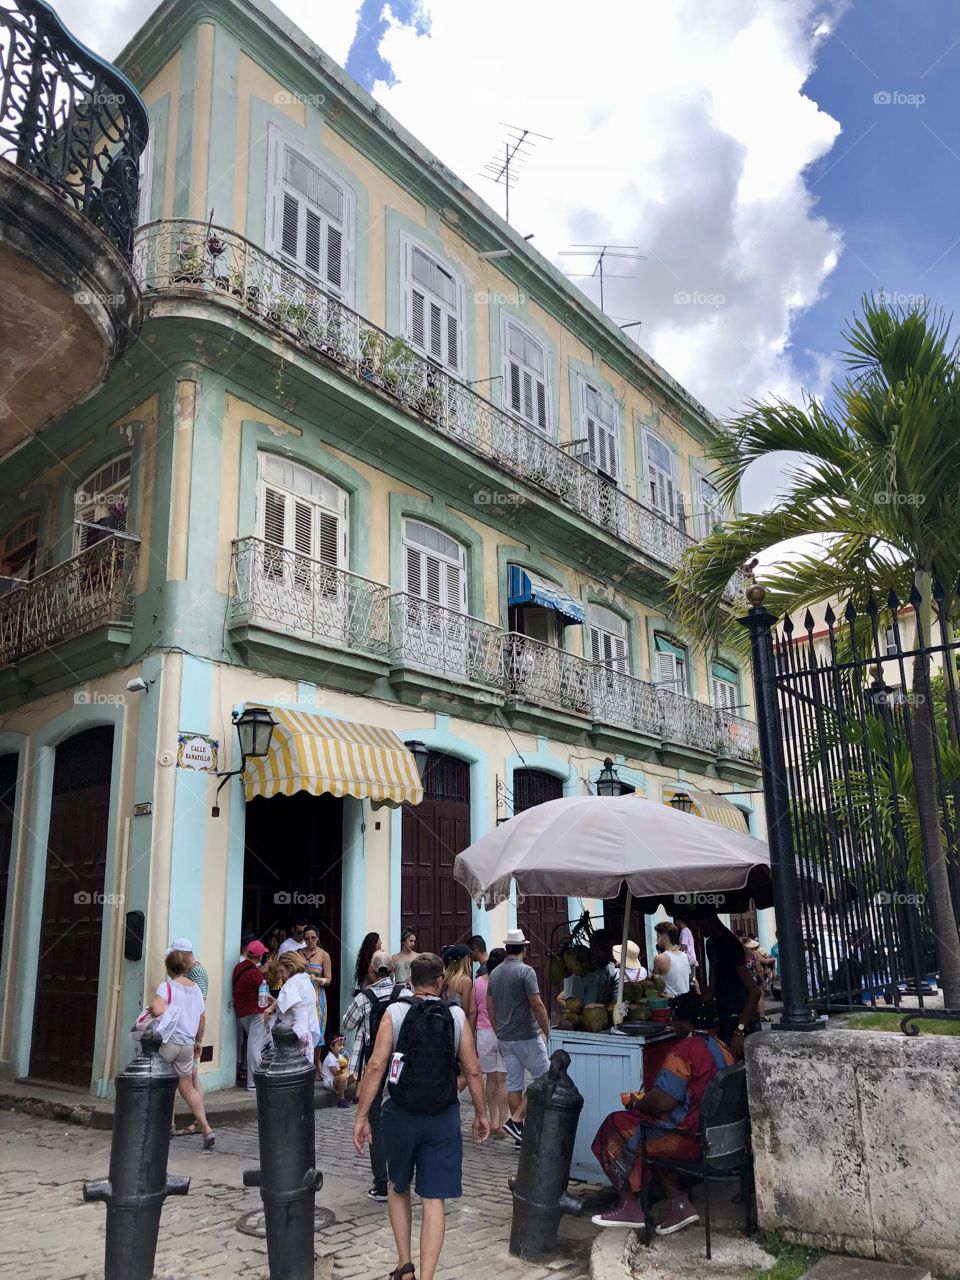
<point x="574" y="1006"/>
<point x="556" y="970"/>
<point x="577" y="960"/>
<point x="638" y="1012"/>
<point x="632" y="992"/>
<point x="660" y="984"/>
<point x="595" y="1017"/>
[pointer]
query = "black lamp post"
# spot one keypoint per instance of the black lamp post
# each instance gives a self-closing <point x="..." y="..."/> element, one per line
<point x="255" y="726"/>
<point x="682" y="802"/>
<point x="608" y="782"/>
<point x="420" y="755"/>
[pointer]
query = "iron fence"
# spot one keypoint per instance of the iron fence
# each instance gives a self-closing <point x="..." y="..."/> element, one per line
<point x="70" y="119"/>
<point x="859" y="732"/>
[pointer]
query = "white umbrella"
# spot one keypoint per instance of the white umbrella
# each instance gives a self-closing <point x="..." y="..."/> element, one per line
<point x="592" y="846"/>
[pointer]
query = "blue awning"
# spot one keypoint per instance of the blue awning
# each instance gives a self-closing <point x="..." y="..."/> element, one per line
<point x="526" y="588"/>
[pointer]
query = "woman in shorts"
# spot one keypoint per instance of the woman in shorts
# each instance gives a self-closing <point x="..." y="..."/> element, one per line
<point x="181" y="1048"/>
<point x="488" y="1049"/>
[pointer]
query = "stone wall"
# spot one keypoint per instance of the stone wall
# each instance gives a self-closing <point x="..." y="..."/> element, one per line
<point x="857" y="1142"/>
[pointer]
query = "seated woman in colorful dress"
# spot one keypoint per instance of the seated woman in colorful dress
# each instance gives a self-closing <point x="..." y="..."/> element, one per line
<point x="670" y="1114"/>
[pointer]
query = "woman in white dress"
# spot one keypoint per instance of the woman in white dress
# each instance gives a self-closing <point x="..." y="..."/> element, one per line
<point x="296" y="1005"/>
<point x="672" y="964"/>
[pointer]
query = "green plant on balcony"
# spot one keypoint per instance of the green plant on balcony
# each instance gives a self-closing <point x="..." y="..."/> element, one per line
<point x="398" y="359"/>
<point x="190" y="265"/>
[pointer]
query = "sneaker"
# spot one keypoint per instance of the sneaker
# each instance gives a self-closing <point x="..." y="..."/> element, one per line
<point x="376" y="1194"/>
<point x="342" y="1103"/>
<point x="628" y="1214"/>
<point x="679" y="1214"/>
<point x="515" y="1130"/>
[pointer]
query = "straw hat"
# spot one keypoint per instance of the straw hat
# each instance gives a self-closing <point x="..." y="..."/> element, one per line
<point x="752" y="944"/>
<point x="633" y="954"/>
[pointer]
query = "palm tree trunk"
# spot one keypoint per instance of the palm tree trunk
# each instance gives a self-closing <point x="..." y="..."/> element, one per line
<point x="928" y="812"/>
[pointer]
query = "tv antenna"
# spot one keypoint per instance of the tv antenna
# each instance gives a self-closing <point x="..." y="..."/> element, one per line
<point x="627" y="252"/>
<point x="504" y="165"/>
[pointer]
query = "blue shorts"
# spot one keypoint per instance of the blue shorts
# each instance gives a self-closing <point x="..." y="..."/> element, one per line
<point x="430" y="1145"/>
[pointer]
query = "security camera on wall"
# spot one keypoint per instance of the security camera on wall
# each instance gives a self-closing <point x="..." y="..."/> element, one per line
<point x="137" y="685"/>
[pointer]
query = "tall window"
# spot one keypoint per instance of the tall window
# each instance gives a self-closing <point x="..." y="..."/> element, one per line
<point x="724" y="687"/>
<point x="525" y="376"/>
<point x="100" y="503"/>
<point x="433" y="307"/>
<point x="599" y="417"/>
<point x="300" y="511"/>
<point x="711" y="507"/>
<point x="670" y="671"/>
<point x="608" y="638"/>
<point x="18" y="550"/>
<point x="310" y="217"/>
<point x="661" y="488"/>
<point x="435" y="566"/>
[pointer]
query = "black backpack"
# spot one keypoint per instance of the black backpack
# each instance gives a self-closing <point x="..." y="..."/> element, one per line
<point x="378" y="1007"/>
<point x="427" y="1040"/>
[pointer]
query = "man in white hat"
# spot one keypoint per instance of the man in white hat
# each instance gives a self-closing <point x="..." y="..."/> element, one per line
<point x="518" y="1016"/>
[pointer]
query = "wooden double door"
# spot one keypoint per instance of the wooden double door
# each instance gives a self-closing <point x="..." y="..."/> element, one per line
<point x="541" y="918"/>
<point x="68" y="962"/>
<point x="433" y="833"/>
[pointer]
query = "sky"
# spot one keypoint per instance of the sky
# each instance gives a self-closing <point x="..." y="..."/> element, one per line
<point x="771" y="160"/>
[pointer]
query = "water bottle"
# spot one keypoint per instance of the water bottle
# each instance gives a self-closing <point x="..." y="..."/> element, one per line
<point x="263" y="997"/>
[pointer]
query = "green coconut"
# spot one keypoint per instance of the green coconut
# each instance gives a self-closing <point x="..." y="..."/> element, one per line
<point x="595" y="1017"/>
<point x="577" y="960"/>
<point x="660" y="984"/>
<point x="574" y="1006"/>
<point x="633" y="991"/>
<point x="556" y="970"/>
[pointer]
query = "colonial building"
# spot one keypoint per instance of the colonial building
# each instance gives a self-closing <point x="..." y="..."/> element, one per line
<point x="361" y="473"/>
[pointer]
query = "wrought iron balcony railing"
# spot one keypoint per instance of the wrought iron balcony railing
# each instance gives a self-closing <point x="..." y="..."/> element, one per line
<point x="546" y="676"/>
<point x="186" y="255"/>
<point x="299" y="596"/>
<point x="444" y="642"/>
<point x="94" y="588"/>
<point x="623" y="700"/>
<point x="70" y="119"/>
<point x="738" y="737"/>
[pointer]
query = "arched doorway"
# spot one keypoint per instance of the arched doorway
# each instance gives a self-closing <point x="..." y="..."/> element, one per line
<point x="68" y="964"/>
<point x="539" y="917"/>
<point x="433" y="833"/>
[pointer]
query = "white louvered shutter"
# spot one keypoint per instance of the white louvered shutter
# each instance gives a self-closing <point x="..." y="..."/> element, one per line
<point x="608" y="638"/>
<point x="724" y="694"/>
<point x="660" y="486"/>
<point x="526" y="376"/>
<point x="436" y="573"/>
<point x="305" y="517"/>
<point x="596" y="644"/>
<point x="311" y="214"/>
<point x="414" y="580"/>
<point x="434" y="300"/>
<point x="538" y="624"/>
<point x="599" y="415"/>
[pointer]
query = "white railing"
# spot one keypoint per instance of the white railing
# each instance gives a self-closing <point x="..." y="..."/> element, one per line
<point x="444" y="642"/>
<point x="186" y="256"/>
<point x="542" y="674"/>
<point x="738" y="737"/>
<point x="623" y="700"/>
<point x="300" y="596"/>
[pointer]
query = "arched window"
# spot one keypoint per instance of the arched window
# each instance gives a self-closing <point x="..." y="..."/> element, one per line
<point x="301" y="511"/>
<point x="101" y="502"/>
<point x="608" y="638"/>
<point x="435" y="566"/>
<point x="526" y="376"/>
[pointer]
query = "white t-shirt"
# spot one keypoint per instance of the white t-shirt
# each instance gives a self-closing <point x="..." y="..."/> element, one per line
<point x="297" y="1006"/>
<point x="397" y="1011"/>
<point x="289" y="944"/>
<point x="189" y="1001"/>
<point x="331" y="1067"/>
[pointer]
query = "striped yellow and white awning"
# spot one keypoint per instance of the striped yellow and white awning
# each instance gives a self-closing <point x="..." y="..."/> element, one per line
<point x="715" y="808"/>
<point x="319" y="754"/>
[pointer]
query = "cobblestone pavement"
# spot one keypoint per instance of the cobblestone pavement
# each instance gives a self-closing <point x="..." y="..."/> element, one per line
<point x="48" y="1233"/>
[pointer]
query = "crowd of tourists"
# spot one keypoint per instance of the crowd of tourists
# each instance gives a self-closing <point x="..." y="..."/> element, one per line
<point x="422" y="1028"/>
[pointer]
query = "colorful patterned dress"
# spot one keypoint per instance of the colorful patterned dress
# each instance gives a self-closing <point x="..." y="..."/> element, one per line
<point x="688" y="1068"/>
<point x="315" y="970"/>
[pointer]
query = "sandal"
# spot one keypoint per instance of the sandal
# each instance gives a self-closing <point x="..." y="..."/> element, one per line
<point x="187" y="1131"/>
<point x="407" y="1269"/>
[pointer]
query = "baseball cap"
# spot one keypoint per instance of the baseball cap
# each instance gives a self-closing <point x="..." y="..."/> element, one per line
<point x="256" y="949"/>
<point x="179" y="944"/>
<point x="382" y="961"/>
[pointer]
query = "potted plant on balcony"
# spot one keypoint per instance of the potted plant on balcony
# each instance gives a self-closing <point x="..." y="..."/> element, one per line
<point x="190" y="266"/>
<point x="373" y="345"/>
<point x="397" y="360"/>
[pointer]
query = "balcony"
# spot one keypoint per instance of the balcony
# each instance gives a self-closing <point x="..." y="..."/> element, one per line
<point x="72" y="129"/>
<point x="185" y="257"/>
<point x="295" y="612"/>
<point x="88" y="599"/>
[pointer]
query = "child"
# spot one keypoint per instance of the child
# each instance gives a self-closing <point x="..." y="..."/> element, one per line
<point x="334" y="1071"/>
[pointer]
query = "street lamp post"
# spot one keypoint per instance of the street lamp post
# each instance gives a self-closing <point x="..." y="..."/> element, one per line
<point x="608" y="781"/>
<point x="255" y="726"/>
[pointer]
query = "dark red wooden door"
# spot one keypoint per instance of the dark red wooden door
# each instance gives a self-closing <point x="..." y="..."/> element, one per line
<point x="433" y="833"/>
<point x="539" y="917"/>
<point x="68" y="964"/>
<point x="8" y="789"/>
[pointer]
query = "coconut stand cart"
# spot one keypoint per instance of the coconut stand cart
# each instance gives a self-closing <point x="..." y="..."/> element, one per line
<point x="646" y="853"/>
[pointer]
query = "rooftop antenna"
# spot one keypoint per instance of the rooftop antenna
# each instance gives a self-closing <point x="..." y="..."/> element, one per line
<point x="504" y="166"/>
<point x="629" y="252"/>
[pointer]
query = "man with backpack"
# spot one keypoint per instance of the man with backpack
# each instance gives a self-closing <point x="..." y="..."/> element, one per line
<point x="422" y="1045"/>
<point x="364" y="1016"/>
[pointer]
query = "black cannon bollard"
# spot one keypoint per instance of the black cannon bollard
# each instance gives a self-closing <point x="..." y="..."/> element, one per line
<point x="540" y="1187"/>
<point x="287" y="1177"/>
<point x="137" y="1185"/>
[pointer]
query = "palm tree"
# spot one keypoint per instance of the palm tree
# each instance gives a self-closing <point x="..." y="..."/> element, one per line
<point x="875" y="479"/>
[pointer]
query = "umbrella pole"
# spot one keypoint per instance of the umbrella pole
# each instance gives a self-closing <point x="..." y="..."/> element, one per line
<point x="628" y="907"/>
